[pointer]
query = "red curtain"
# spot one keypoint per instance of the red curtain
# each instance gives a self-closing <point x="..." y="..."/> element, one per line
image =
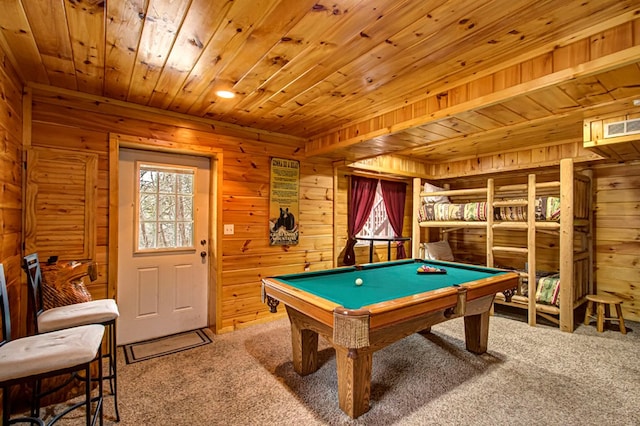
<point x="394" y="195"/>
<point x="360" y="203"/>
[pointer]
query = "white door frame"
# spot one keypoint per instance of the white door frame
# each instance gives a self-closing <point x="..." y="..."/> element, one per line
<point x="117" y="141"/>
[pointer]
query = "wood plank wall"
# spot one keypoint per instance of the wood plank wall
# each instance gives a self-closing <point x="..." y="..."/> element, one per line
<point x="79" y="122"/>
<point x="11" y="122"/>
<point x="617" y="234"/>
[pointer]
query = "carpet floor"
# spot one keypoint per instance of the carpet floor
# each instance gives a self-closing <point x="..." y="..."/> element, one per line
<point x="530" y="375"/>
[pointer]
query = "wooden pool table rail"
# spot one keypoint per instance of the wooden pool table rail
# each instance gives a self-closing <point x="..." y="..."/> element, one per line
<point x="382" y="324"/>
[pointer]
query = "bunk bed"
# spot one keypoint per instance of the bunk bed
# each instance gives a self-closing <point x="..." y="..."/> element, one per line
<point x="561" y="207"/>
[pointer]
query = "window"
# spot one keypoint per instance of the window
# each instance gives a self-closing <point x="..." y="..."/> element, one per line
<point x="378" y="225"/>
<point x="165" y="217"/>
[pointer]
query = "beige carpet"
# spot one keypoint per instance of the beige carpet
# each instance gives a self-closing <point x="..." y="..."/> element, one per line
<point x="530" y="376"/>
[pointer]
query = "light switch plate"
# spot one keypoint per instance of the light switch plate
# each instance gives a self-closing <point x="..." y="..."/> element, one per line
<point x="228" y="229"/>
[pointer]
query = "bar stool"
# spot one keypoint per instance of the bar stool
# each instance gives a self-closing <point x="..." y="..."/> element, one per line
<point x="602" y="302"/>
<point x="30" y="359"/>
<point x="102" y="311"/>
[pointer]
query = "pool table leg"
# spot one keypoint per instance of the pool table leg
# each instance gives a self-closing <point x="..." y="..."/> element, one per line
<point x="304" y="343"/>
<point x="354" y="380"/>
<point x="476" y="332"/>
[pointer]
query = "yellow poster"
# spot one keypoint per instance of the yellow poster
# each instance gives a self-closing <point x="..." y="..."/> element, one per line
<point x="283" y="201"/>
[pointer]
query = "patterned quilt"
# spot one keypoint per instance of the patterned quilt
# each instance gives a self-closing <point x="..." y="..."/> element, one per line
<point x="547" y="209"/>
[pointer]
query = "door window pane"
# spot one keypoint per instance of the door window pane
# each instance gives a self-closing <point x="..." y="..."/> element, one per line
<point x="165" y="207"/>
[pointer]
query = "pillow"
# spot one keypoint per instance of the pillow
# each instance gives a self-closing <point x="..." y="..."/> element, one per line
<point x="436" y="198"/>
<point x="438" y="251"/>
<point x="548" y="290"/>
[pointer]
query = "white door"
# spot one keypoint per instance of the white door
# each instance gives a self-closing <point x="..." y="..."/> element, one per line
<point x="162" y="263"/>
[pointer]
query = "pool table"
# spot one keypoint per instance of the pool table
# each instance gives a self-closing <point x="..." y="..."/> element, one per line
<point x="393" y="301"/>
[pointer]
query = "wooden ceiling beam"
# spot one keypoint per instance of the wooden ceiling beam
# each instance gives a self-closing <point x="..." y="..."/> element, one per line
<point x="515" y="128"/>
<point x="336" y="140"/>
<point x="438" y="105"/>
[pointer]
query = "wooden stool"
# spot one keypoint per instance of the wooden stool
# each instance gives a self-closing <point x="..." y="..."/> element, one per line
<point x="602" y="304"/>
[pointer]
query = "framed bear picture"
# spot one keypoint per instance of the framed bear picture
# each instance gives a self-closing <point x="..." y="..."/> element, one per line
<point x="284" y="193"/>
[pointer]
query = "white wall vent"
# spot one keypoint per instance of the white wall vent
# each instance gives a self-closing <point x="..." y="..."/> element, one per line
<point x="622" y="128"/>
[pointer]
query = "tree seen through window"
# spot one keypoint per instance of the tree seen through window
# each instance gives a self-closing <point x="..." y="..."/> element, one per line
<point x="165" y="217"/>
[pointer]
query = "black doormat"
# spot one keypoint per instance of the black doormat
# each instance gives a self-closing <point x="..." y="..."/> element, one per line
<point x="140" y="351"/>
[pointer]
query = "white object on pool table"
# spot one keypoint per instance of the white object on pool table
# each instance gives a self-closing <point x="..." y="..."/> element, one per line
<point x="358" y="281"/>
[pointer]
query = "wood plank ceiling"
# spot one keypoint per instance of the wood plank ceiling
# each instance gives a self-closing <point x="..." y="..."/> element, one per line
<point x="428" y="79"/>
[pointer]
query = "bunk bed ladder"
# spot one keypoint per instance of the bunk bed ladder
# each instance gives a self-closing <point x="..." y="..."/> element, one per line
<point x="530" y="250"/>
<point x="567" y="216"/>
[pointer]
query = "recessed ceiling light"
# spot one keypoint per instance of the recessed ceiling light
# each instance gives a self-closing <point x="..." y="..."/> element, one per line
<point x="225" y="94"/>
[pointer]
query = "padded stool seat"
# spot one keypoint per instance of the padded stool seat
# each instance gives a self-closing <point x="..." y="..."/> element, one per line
<point x="602" y="302"/>
<point x="41" y="353"/>
<point x="92" y="312"/>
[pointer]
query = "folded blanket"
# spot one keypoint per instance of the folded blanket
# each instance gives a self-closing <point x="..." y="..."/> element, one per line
<point x="547" y="209"/>
<point x="475" y="211"/>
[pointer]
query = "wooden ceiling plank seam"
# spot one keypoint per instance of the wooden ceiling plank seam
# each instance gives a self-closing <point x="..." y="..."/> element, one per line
<point x="362" y="106"/>
<point x="526" y="107"/>
<point x="631" y="15"/>
<point x="122" y="40"/>
<point x="479" y="120"/>
<point x="201" y="21"/>
<point x="587" y="91"/>
<point x="461" y="125"/>
<point x="361" y="36"/>
<point x="86" y="32"/>
<point x="162" y="24"/>
<point x="474" y="147"/>
<point x="17" y="33"/>
<point x="490" y="134"/>
<point x="206" y="101"/>
<point x="598" y="65"/>
<point x="623" y="24"/>
<point x="469" y="24"/>
<point x="529" y="126"/>
<point x="283" y="50"/>
<point x="621" y="82"/>
<point x="314" y="37"/>
<point x="46" y="18"/>
<point x="225" y="45"/>
<point x="401" y="57"/>
<point x="501" y="74"/>
<point x="555" y="99"/>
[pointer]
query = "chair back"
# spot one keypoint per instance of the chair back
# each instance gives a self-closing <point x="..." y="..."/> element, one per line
<point x="4" y="307"/>
<point x="34" y="277"/>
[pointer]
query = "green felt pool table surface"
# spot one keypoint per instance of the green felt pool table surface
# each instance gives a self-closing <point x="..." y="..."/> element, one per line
<point x="384" y="281"/>
<point x="393" y="302"/>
